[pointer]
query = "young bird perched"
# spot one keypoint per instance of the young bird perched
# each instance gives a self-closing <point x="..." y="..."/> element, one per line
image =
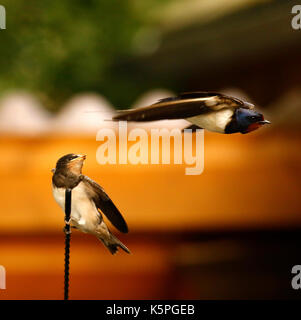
<point x="211" y="111"/>
<point x="88" y="201"/>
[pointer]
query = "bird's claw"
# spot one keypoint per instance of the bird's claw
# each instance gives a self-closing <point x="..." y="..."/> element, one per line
<point x="66" y="231"/>
<point x="67" y="228"/>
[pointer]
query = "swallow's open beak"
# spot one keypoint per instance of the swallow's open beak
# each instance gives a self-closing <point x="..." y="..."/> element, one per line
<point x="82" y="157"/>
<point x="264" y="122"/>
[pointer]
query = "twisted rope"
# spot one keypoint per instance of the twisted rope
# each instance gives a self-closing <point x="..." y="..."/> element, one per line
<point x="68" y="196"/>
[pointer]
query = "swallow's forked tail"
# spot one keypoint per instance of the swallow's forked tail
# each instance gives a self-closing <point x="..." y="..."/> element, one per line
<point x="113" y="244"/>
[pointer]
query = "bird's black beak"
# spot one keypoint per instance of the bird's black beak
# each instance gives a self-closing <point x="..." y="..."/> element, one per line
<point x="264" y="122"/>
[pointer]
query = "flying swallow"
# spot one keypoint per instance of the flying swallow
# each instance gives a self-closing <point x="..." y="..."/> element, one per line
<point x="89" y="202"/>
<point x="207" y="110"/>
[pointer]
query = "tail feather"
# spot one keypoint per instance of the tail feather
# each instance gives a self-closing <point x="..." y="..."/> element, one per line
<point x="121" y="115"/>
<point x="114" y="244"/>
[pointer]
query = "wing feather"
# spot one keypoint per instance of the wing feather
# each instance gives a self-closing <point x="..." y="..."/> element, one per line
<point x="105" y="204"/>
<point x="184" y="106"/>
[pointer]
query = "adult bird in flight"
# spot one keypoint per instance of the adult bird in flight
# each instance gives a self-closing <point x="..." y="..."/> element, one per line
<point x="207" y="110"/>
<point x="89" y="201"/>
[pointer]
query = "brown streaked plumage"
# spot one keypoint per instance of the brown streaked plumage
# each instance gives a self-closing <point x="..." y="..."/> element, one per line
<point x="89" y="201"/>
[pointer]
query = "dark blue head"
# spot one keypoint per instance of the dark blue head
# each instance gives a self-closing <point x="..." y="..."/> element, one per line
<point x="245" y="121"/>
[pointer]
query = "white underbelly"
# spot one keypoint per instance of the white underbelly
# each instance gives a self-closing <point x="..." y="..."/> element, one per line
<point x="214" y="121"/>
<point x="84" y="214"/>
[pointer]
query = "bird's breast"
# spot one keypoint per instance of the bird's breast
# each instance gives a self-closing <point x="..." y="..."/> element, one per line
<point x="59" y="196"/>
<point x="84" y="213"/>
<point x="214" y="121"/>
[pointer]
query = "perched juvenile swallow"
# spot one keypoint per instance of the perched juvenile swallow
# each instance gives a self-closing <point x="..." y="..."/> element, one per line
<point x="88" y="202"/>
<point x="211" y="111"/>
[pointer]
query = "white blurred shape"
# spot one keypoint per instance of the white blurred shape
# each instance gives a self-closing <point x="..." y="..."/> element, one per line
<point x="152" y="97"/>
<point x="22" y="114"/>
<point x="84" y="114"/>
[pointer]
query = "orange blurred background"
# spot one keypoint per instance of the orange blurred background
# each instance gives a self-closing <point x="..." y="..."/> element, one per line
<point x="179" y="225"/>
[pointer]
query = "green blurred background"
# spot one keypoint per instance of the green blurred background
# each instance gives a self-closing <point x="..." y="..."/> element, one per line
<point x="58" y="48"/>
<point x="120" y="49"/>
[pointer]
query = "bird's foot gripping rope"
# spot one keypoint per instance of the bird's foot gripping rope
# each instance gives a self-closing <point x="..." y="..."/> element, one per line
<point x="67" y="230"/>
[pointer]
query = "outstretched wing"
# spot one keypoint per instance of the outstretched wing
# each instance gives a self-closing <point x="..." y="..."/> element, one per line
<point x="184" y="106"/>
<point x="105" y="204"/>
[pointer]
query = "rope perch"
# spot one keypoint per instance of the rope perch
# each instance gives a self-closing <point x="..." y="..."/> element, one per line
<point x="67" y="230"/>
